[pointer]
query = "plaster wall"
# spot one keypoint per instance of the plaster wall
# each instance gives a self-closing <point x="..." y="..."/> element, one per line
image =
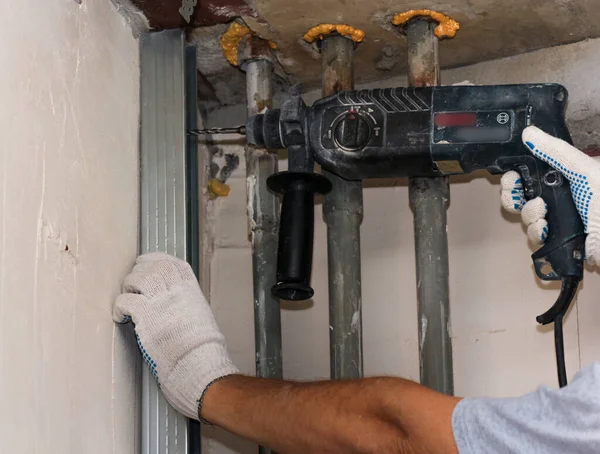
<point x="68" y="227"/>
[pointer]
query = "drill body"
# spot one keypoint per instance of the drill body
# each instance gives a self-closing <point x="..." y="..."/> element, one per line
<point x="436" y="131"/>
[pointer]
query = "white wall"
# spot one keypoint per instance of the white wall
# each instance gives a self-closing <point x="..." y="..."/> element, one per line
<point x="68" y="226"/>
<point x="499" y="350"/>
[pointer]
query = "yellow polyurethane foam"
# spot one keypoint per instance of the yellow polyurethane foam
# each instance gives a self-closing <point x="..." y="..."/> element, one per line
<point x="321" y="30"/>
<point x="446" y="28"/>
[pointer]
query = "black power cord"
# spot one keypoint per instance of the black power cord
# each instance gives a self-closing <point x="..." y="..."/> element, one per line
<point x="559" y="346"/>
<point x="555" y="315"/>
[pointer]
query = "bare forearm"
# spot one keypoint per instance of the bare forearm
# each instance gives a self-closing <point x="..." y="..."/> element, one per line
<point x="388" y="415"/>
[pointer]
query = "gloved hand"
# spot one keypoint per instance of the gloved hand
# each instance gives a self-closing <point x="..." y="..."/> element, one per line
<point x="176" y="330"/>
<point x="583" y="173"/>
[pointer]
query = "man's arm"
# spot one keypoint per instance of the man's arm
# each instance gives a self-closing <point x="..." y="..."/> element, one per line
<point x="374" y="415"/>
<point x="180" y="341"/>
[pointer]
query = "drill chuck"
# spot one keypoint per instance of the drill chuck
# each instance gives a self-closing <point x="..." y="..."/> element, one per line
<point x="262" y="130"/>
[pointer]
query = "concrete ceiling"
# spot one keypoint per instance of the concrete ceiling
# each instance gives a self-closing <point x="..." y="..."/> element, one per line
<point x="490" y="29"/>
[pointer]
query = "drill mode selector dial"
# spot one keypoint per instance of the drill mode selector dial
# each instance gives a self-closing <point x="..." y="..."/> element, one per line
<point x="352" y="131"/>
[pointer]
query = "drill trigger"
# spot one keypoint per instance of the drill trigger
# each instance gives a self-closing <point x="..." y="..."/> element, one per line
<point x="524" y="166"/>
<point x="529" y="186"/>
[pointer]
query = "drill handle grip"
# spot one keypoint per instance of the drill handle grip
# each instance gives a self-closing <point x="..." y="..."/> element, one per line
<point x="296" y="231"/>
<point x="564" y="248"/>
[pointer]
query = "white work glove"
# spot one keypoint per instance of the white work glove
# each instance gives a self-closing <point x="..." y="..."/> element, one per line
<point x="583" y="173"/>
<point x="176" y="330"/>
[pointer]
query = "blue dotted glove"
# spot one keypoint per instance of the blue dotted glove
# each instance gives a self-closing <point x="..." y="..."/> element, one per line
<point x="583" y="174"/>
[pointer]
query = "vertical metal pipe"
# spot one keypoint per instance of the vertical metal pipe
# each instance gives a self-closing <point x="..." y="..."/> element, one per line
<point x="423" y="59"/>
<point x="429" y="199"/>
<point x="343" y="211"/>
<point x="263" y="210"/>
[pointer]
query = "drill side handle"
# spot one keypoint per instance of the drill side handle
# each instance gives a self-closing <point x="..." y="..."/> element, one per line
<point x="296" y="229"/>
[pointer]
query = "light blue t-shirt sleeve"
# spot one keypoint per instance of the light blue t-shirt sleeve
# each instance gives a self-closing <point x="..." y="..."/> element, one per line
<point x="549" y="421"/>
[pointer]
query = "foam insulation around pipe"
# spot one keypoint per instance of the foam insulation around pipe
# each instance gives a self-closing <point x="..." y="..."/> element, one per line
<point x="231" y="40"/>
<point x="447" y="27"/>
<point x="322" y="30"/>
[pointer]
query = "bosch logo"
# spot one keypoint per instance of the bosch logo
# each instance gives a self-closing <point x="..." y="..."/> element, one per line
<point x="503" y="118"/>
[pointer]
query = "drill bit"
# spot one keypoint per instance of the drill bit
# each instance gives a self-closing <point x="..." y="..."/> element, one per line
<point x="234" y="130"/>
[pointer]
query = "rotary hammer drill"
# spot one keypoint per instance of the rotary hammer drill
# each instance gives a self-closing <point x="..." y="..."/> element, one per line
<point x="420" y="132"/>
